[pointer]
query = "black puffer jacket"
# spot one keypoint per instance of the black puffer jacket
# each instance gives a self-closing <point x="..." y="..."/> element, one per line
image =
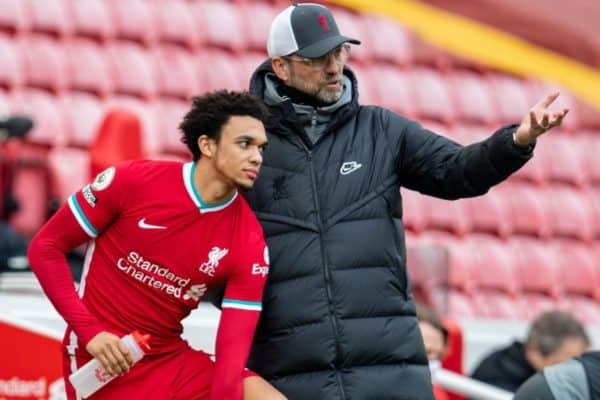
<point x="338" y="319"/>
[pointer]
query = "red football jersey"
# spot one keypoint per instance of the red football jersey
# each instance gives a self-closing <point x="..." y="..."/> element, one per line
<point x="157" y="248"/>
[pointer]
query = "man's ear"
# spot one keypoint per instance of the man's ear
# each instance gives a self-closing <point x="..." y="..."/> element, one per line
<point x="206" y="146"/>
<point x="280" y="68"/>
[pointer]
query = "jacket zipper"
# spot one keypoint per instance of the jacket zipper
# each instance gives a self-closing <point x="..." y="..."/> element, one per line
<point x="326" y="272"/>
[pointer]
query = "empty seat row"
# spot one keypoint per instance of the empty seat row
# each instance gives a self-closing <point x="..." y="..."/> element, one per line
<point x="519" y="278"/>
<point x="121" y="67"/>
<point x="207" y="22"/>
<point x="511" y="208"/>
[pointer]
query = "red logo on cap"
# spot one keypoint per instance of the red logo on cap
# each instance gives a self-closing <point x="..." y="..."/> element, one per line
<point x="324" y="23"/>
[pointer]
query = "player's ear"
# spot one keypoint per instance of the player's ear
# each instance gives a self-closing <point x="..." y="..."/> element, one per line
<point x="206" y="146"/>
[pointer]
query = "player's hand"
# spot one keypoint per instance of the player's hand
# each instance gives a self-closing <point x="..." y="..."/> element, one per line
<point x="538" y="121"/>
<point x="111" y="352"/>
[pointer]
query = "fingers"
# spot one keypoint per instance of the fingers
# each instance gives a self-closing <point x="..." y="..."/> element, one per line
<point x="111" y="352"/>
<point x="545" y="103"/>
<point x="114" y="360"/>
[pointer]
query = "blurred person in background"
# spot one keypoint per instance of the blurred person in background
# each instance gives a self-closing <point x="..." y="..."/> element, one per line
<point x="160" y="234"/>
<point x="575" y="379"/>
<point x="553" y="337"/>
<point x="339" y="317"/>
<point x="435" y="339"/>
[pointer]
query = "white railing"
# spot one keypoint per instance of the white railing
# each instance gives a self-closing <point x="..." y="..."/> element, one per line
<point x="468" y="387"/>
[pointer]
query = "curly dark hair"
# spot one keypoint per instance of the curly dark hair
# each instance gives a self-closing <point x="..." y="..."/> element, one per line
<point x="211" y="111"/>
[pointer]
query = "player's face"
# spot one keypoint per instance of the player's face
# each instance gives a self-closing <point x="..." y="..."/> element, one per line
<point x="238" y="155"/>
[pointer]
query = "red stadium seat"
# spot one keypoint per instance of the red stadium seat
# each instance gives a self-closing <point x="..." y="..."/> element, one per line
<point x="578" y="269"/>
<point x="589" y="116"/>
<point x="256" y="34"/>
<point x="538" y="269"/>
<point x="451" y="216"/>
<point x="426" y="54"/>
<point x="4" y="103"/>
<point x="176" y="73"/>
<point x="393" y="87"/>
<point x="539" y="275"/>
<point x="473" y="98"/>
<point x="49" y="124"/>
<point x="119" y="138"/>
<point x="580" y="279"/>
<point x="432" y="96"/>
<point x="367" y="89"/>
<point x="45" y="64"/>
<point x="249" y="62"/>
<point x="397" y="46"/>
<point x="512" y="97"/>
<point x="220" y="25"/>
<point x="134" y="70"/>
<point x="11" y="63"/>
<point x="565" y="161"/>
<point x="535" y="170"/>
<point x="589" y="148"/>
<point x="569" y="213"/>
<point x="171" y="113"/>
<point x="14" y="16"/>
<point x="527" y="211"/>
<point x="218" y="69"/>
<point x="51" y="17"/>
<point x="69" y="170"/>
<point x="592" y="196"/>
<point x="151" y="136"/>
<point x="83" y="113"/>
<point x="414" y="213"/>
<point x="176" y="24"/>
<point x="496" y="283"/>
<point x="93" y="18"/>
<point x="460" y="306"/>
<point x="354" y="26"/>
<point x="489" y="214"/>
<point x="439" y="128"/>
<point x="88" y="67"/>
<point x="134" y="20"/>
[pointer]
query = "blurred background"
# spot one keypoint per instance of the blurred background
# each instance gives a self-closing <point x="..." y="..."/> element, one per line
<point x="85" y="83"/>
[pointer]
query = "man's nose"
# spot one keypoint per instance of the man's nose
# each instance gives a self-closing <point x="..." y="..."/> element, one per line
<point x="256" y="156"/>
<point x="333" y="66"/>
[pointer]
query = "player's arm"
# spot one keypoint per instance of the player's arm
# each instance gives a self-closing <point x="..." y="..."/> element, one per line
<point x="240" y="311"/>
<point x="47" y="256"/>
<point x="85" y="214"/>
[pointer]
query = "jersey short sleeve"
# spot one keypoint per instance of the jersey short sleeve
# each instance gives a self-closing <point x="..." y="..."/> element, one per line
<point x="247" y="280"/>
<point x="99" y="202"/>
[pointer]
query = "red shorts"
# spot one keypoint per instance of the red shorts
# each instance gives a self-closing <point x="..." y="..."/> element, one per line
<point x="183" y="374"/>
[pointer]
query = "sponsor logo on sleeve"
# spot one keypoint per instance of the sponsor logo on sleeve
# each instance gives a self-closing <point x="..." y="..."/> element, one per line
<point x="104" y="179"/>
<point x="89" y="196"/>
<point x="262" y="270"/>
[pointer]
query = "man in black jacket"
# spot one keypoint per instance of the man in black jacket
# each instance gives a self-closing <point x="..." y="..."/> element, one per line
<point x="553" y="337"/>
<point x="339" y="318"/>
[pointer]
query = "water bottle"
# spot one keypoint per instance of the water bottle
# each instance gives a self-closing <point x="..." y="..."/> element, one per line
<point x="92" y="376"/>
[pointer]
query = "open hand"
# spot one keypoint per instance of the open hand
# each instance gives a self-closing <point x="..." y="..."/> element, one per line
<point x="539" y="120"/>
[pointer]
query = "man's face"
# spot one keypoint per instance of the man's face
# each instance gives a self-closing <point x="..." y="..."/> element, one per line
<point x="571" y="347"/>
<point x="433" y="339"/>
<point x="238" y="154"/>
<point x="322" y="77"/>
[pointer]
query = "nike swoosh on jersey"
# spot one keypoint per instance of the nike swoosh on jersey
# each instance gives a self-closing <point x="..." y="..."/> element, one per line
<point x="142" y="224"/>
